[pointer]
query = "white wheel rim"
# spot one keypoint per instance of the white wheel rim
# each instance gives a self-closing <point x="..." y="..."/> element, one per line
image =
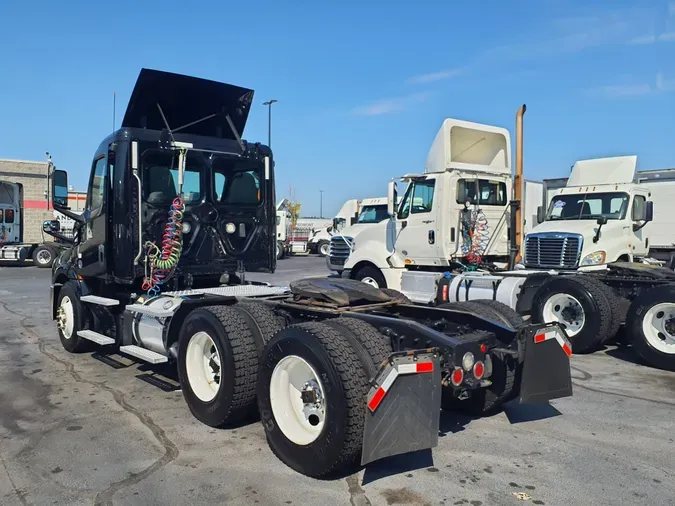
<point x="658" y="326"/>
<point x="324" y="249"/>
<point x="565" y="309"/>
<point x="202" y="365"/>
<point x="65" y="317"/>
<point x="44" y="256"/>
<point x="300" y="421"/>
<point x="370" y="281"/>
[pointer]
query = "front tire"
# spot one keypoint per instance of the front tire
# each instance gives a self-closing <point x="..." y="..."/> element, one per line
<point x="582" y="304"/>
<point x="70" y="319"/>
<point x="217" y="365"/>
<point x="43" y="256"/>
<point x="650" y="323"/>
<point x="323" y="248"/>
<point x="371" y="276"/>
<point x="311" y="393"/>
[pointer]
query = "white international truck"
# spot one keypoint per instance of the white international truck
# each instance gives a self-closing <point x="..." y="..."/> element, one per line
<point x="373" y="211"/>
<point x="588" y="264"/>
<point x="319" y="240"/>
<point x="455" y="212"/>
<point x="284" y="222"/>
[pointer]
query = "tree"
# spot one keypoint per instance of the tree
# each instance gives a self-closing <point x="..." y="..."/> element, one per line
<point x="293" y="207"/>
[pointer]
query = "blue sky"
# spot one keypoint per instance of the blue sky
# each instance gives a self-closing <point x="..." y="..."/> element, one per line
<point x="362" y="86"/>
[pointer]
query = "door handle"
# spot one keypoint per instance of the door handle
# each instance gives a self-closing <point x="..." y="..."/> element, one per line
<point x="432" y="236"/>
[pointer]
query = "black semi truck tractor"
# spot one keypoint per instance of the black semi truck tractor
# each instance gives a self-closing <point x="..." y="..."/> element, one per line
<point x="179" y="208"/>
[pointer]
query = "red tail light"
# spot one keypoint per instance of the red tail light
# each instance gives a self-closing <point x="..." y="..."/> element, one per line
<point x="457" y="376"/>
<point x="478" y="370"/>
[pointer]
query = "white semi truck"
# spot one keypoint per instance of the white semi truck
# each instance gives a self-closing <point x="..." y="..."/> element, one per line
<point x="588" y="264"/>
<point x="284" y="222"/>
<point x="373" y="211"/>
<point x="13" y="228"/>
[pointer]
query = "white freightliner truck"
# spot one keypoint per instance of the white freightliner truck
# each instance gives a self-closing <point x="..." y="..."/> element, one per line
<point x="372" y="211"/>
<point x="586" y="264"/>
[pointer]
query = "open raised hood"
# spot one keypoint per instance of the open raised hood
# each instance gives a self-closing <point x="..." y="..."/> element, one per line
<point x="191" y="105"/>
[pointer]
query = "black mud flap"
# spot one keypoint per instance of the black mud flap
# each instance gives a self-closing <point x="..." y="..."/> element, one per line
<point x="546" y="371"/>
<point x="403" y="406"/>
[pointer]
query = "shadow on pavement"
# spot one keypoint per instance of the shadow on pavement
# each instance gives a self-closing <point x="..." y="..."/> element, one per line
<point x="398" y="464"/>
<point x="518" y="413"/>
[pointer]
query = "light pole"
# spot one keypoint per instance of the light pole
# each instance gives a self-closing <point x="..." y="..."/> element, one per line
<point x="269" y="122"/>
<point x="321" y="204"/>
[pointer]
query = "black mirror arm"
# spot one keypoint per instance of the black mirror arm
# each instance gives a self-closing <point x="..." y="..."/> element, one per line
<point x="67" y="212"/>
<point x="638" y="226"/>
<point x="61" y="237"/>
<point x="596" y="238"/>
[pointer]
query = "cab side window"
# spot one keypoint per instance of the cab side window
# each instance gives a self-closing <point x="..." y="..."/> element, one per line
<point x="419" y="198"/>
<point x="97" y="185"/>
<point x="638" y="206"/>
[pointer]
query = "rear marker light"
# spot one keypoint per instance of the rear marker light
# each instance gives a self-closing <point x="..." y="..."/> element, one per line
<point x="478" y="370"/>
<point x="483" y="348"/>
<point x="457" y="377"/>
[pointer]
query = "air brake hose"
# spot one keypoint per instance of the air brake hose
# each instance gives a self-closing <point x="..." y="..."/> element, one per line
<point x="164" y="261"/>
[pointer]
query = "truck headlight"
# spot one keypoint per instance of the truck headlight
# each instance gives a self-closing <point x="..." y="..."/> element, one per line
<point x="595" y="258"/>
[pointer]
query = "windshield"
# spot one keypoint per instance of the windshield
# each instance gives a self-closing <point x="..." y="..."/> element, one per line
<point x="373" y="214"/>
<point x="588" y="206"/>
<point x="232" y="181"/>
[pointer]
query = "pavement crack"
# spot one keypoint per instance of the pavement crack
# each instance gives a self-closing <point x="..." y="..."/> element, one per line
<point x="627" y="396"/>
<point x="357" y="496"/>
<point x="19" y="493"/>
<point x="104" y="498"/>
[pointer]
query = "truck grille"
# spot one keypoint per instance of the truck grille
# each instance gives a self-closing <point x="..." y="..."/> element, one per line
<point x="340" y="247"/>
<point x="553" y="250"/>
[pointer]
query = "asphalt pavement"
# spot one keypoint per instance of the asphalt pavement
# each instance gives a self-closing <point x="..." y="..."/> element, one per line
<point x="75" y="430"/>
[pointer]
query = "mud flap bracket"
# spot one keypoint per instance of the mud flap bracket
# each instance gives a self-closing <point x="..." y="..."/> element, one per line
<point x="403" y="406"/>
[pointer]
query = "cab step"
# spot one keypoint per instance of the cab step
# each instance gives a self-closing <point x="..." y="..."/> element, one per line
<point x="96" y="337"/>
<point x="150" y="311"/>
<point x="146" y="355"/>
<point x="101" y="301"/>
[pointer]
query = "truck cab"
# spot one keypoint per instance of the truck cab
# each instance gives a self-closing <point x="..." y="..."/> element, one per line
<point x="598" y="217"/>
<point x="456" y="211"/>
<point x="372" y="211"/>
<point x="177" y="205"/>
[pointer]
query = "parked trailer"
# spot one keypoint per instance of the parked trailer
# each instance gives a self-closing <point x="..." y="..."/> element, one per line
<point x="338" y="370"/>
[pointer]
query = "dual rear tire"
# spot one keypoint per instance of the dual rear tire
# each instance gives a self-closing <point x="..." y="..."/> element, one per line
<point x="308" y="381"/>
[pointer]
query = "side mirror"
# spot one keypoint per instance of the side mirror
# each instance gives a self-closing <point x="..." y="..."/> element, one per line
<point x="51" y="226"/>
<point x="391" y="198"/>
<point x="541" y="216"/>
<point x="335" y="223"/>
<point x="649" y="211"/>
<point x="60" y="189"/>
<point x="602" y="220"/>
